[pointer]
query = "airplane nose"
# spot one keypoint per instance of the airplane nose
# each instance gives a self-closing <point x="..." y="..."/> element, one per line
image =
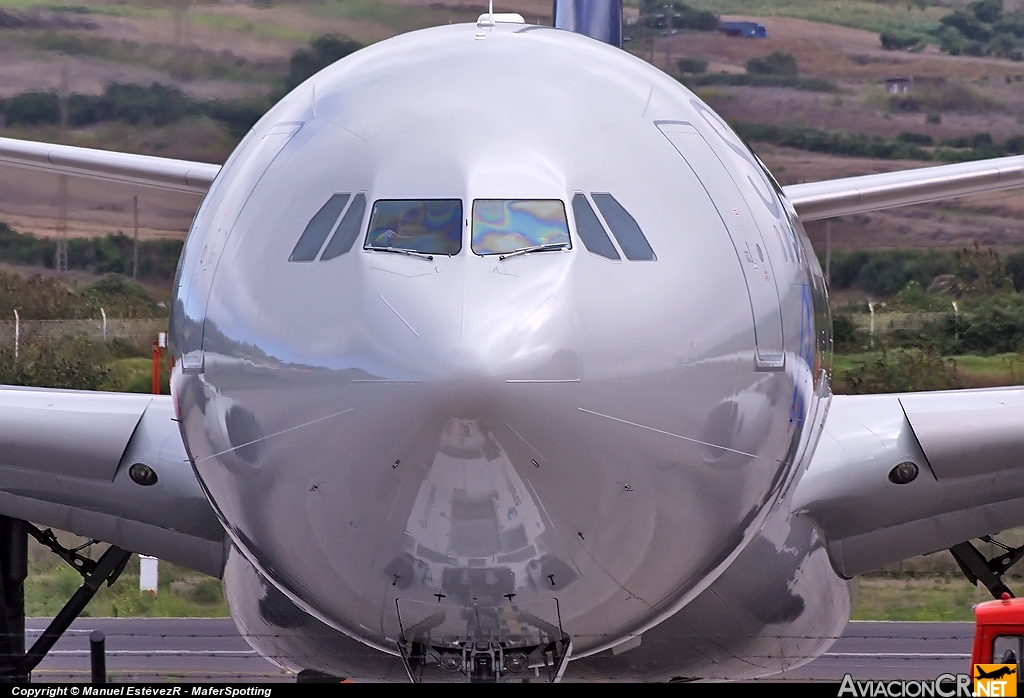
<point x="444" y="443"/>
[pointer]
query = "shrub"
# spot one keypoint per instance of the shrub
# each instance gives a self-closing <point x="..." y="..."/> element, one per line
<point x="686" y="17"/>
<point x="915" y="138"/>
<point x="901" y="40"/>
<point x="74" y="363"/>
<point x="32" y="108"/>
<point x="1015" y="270"/>
<point x="941" y="97"/>
<point x="846" y="336"/>
<point x="158" y="259"/>
<point x="776" y="63"/>
<point x="692" y="64"/>
<point x="901" y="371"/>
<point x="322" y="52"/>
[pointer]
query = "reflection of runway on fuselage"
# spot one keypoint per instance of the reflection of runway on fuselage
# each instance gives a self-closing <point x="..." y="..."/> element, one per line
<point x="209" y="649"/>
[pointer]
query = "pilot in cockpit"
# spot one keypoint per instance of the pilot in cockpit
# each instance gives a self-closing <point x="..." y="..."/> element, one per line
<point x="429" y="227"/>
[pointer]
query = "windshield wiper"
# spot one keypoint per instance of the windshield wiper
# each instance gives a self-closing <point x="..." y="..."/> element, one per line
<point x="535" y="248"/>
<point x="402" y="250"/>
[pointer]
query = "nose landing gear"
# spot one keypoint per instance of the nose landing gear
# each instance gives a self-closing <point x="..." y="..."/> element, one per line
<point x="512" y="642"/>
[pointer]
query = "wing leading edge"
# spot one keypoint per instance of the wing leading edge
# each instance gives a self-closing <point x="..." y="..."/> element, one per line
<point x="967" y="446"/>
<point x="124" y="168"/>
<point x="840" y="197"/>
<point x="65" y="457"/>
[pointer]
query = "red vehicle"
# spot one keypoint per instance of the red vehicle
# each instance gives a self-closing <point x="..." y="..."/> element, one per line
<point x="999" y="633"/>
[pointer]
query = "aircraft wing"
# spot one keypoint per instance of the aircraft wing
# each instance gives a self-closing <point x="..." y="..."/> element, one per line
<point x="65" y="461"/>
<point x="124" y="168"/>
<point x="967" y="446"/>
<point x="840" y="197"/>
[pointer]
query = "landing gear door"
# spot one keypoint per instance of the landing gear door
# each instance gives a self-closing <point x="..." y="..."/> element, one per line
<point x="747" y="240"/>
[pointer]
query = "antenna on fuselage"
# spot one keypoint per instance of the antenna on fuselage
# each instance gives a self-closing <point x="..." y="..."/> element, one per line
<point x="490" y="16"/>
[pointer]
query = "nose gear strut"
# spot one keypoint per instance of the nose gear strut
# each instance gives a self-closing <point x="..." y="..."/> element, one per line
<point x="512" y="642"/>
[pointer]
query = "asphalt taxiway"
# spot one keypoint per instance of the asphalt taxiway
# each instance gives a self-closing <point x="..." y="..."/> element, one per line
<point x="210" y="649"/>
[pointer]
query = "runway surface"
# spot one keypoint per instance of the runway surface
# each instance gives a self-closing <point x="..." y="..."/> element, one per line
<point x="209" y="649"/>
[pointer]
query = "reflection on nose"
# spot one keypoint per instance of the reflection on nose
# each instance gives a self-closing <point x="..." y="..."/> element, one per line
<point x="475" y="541"/>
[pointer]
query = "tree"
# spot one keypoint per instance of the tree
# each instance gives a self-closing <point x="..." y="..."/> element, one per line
<point x="322" y="52"/>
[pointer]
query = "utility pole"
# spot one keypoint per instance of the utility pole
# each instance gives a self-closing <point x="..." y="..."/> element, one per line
<point x="182" y="36"/>
<point x="62" y="184"/>
<point x="668" y="33"/>
<point x="135" y="249"/>
<point x="828" y="254"/>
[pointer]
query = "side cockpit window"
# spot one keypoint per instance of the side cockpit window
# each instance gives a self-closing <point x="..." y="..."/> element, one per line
<point x="431" y="226"/>
<point x="348" y="231"/>
<point x="318" y="228"/>
<point x="513" y="226"/>
<point x="632" y="241"/>
<point x="590" y="230"/>
<point x="625" y="229"/>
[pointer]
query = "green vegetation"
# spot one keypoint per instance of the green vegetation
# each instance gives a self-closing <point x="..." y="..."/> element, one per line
<point x="755" y="80"/>
<point x="692" y="64"/>
<point x="38" y="298"/>
<point x="195" y="63"/>
<point x="112" y="254"/>
<point x="942" y="96"/>
<point x="946" y="597"/>
<point x="906" y="146"/>
<point x="776" y="63"/>
<point x="181" y="593"/>
<point x="322" y="52"/>
<point x="156" y="105"/>
<point x="161" y="105"/>
<point x="966" y="271"/>
<point x="899" y="371"/>
<point x="59" y="354"/>
<point x="831" y="142"/>
<point x="943" y="320"/>
<point x="982" y="28"/>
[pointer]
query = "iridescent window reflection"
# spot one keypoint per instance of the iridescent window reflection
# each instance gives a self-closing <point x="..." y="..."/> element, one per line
<point x="502" y="226"/>
<point x="431" y="226"/>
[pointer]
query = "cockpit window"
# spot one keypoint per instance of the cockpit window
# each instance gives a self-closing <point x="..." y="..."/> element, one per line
<point x="503" y="226"/>
<point x="318" y="228"/>
<point x="590" y="230"/>
<point x="431" y="226"/>
<point x="625" y="229"/>
<point x="348" y="231"/>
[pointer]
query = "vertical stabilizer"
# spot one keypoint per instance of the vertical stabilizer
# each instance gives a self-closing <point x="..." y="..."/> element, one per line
<point x="598" y="19"/>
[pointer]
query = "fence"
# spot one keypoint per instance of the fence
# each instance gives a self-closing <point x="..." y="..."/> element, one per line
<point x="138" y="331"/>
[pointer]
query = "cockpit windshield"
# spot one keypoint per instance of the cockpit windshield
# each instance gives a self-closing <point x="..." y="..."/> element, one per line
<point x="432" y="226"/>
<point x="505" y="226"/>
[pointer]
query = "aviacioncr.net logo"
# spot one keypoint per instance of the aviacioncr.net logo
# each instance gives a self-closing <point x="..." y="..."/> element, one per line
<point x="944" y="686"/>
<point x="995" y="680"/>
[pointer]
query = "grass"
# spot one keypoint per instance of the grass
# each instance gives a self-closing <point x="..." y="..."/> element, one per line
<point x="265" y="30"/>
<point x="398" y="17"/>
<point x="972" y="371"/>
<point x="182" y="592"/>
<point x="198" y="63"/>
<point x="134" y="375"/>
<point x="931" y="598"/>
